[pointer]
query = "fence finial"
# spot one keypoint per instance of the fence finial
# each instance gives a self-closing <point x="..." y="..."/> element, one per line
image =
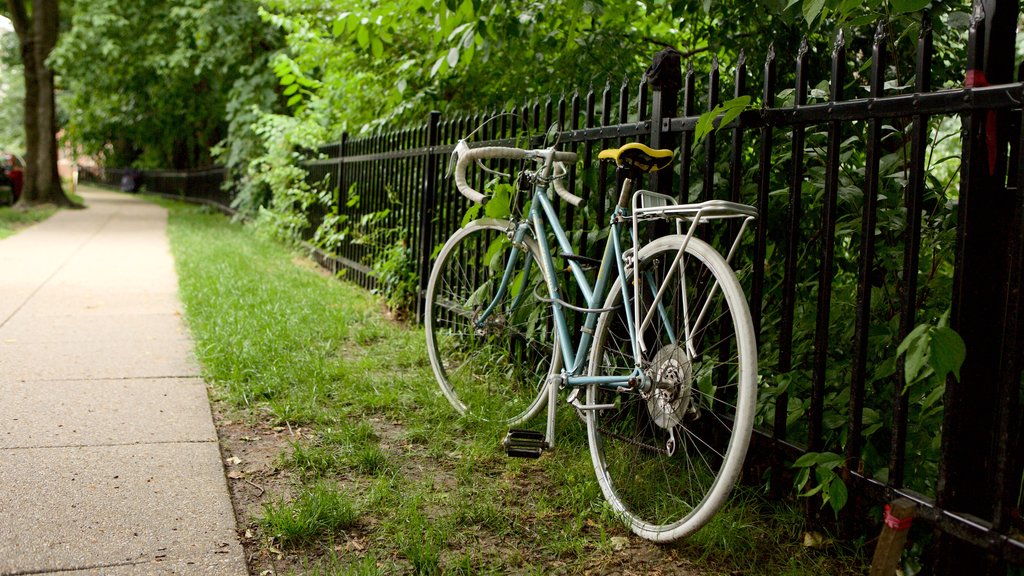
<point x="840" y="43"/>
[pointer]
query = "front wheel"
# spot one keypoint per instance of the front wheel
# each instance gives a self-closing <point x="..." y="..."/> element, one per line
<point x="668" y="453"/>
<point x="492" y="367"/>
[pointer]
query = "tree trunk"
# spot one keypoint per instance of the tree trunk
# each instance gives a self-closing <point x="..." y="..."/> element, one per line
<point x="37" y="34"/>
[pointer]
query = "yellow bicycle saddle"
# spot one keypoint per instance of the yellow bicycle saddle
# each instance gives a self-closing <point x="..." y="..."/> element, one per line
<point x="638" y="156"/>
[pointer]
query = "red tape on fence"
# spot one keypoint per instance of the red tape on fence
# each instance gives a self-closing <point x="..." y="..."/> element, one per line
<point x="898" y="524"/>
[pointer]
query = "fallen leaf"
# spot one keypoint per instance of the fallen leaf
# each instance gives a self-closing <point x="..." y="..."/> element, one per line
<point x="619" y="543"/>
<point x="233" y="461"/>
<point x="236" y="475"/>
<point x="813" y="540"/>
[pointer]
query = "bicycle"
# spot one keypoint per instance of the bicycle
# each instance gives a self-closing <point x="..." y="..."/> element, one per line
<point x="664" y="368"/>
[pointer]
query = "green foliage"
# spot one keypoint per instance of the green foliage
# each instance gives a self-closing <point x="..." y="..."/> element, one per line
<point x="155" y="91"/>
<point x="397" y="277"/>
<point x="931" y="354"/>
<point x="729" y="110"/>
<point x="827" y="482"/>
<point x="12" y="95"/>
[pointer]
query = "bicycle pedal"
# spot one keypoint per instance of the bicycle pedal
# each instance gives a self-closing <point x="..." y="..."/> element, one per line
<point x="524" y="443"/>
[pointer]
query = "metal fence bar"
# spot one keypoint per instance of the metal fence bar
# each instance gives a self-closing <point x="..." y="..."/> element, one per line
<point x="867" y="258"/>
<point x="401" y="171"/>
<point x="829" y="211"/>
<point x="912" y="248"/>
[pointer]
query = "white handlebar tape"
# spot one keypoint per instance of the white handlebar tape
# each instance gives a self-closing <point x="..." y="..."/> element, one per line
<point x="468" y="155"/>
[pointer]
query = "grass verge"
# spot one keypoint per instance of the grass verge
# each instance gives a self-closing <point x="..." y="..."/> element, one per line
<point x="344" y="458"/>
<point x="14" y="219"/>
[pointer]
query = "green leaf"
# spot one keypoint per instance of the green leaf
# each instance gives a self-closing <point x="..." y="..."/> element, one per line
<point x="909" y="340"/>
<point x="441" y="62"/>
<point x="812" y="8"/>
<point x="733" y="108"/>
<point x="453" y="57"/>
<point x="377" y="47"/>
<point x="338" y="28"/>
<point x="471" y="214"/>
<point x="905" y="6"/>
<point x="498" y="204"/>
<point x="948" y="352"/>
<point x="288" y="80"/>
<point x="363" y="37"/>
<point x="291" y="90"/>
<point x="705" y="123"/>
<point x="494" y="252"/>
<point x="294" y="100"/>
<point x="837" y="494"/>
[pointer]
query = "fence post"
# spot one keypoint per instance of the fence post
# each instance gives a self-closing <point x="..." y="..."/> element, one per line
<point x="428" y="212"/>
<point x="665" y="78"/>
<point x="980" y="406"/>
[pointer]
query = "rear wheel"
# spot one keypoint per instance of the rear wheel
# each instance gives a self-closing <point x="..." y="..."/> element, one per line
<point x="667" y="458"/>
<point x="492" y="368"/>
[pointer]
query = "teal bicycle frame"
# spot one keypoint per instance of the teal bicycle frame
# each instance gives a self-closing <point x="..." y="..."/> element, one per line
<point x="541" y="216"/>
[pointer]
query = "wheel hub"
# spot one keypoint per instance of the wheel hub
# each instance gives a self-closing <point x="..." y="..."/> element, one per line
<point x="671" y="377"/>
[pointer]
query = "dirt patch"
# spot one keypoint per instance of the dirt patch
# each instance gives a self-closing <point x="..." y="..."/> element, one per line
<point x="253" y="453"/>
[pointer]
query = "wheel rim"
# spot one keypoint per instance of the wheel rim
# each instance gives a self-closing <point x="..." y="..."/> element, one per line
<point x="494" y="369"/>
<point x="667" y="458"/>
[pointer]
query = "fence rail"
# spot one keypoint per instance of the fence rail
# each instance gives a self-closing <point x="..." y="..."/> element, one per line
<point x="858" y="242"/>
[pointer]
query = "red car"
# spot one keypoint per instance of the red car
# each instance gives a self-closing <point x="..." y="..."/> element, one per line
<point x="12" y="173"/>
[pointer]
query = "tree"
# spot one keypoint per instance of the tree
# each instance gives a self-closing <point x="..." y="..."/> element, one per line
<point x="162" y="92"/>
<point x="37" y="26"/>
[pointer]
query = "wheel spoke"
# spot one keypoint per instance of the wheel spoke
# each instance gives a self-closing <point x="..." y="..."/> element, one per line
<point x="494" y="370"/>
<point x="660" y="452"/>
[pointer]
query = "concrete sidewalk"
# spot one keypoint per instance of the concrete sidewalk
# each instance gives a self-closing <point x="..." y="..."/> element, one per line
<point x="109" y="462"/>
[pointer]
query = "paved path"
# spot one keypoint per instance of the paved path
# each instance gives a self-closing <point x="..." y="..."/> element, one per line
<point x="109" y="462"/>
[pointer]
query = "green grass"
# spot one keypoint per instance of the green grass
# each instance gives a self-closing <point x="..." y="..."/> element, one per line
<point x="322" y="510"/>
<point x="14" y="219"/>
<point x="383" y="456"/>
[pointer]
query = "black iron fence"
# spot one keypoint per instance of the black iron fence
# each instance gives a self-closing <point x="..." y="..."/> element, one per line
<point x="879" y="213"/>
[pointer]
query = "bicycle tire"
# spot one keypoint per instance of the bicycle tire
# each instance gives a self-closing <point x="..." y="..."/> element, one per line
<point x="705" y="400"/>
<point x="495" y="372"/>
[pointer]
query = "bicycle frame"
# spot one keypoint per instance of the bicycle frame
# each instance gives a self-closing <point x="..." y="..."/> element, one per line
<point x="573" y="359"/>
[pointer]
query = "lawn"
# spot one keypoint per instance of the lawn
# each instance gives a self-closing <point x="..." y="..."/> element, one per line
<point x="15" y="219"/>
<point x="343" y="457"/>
